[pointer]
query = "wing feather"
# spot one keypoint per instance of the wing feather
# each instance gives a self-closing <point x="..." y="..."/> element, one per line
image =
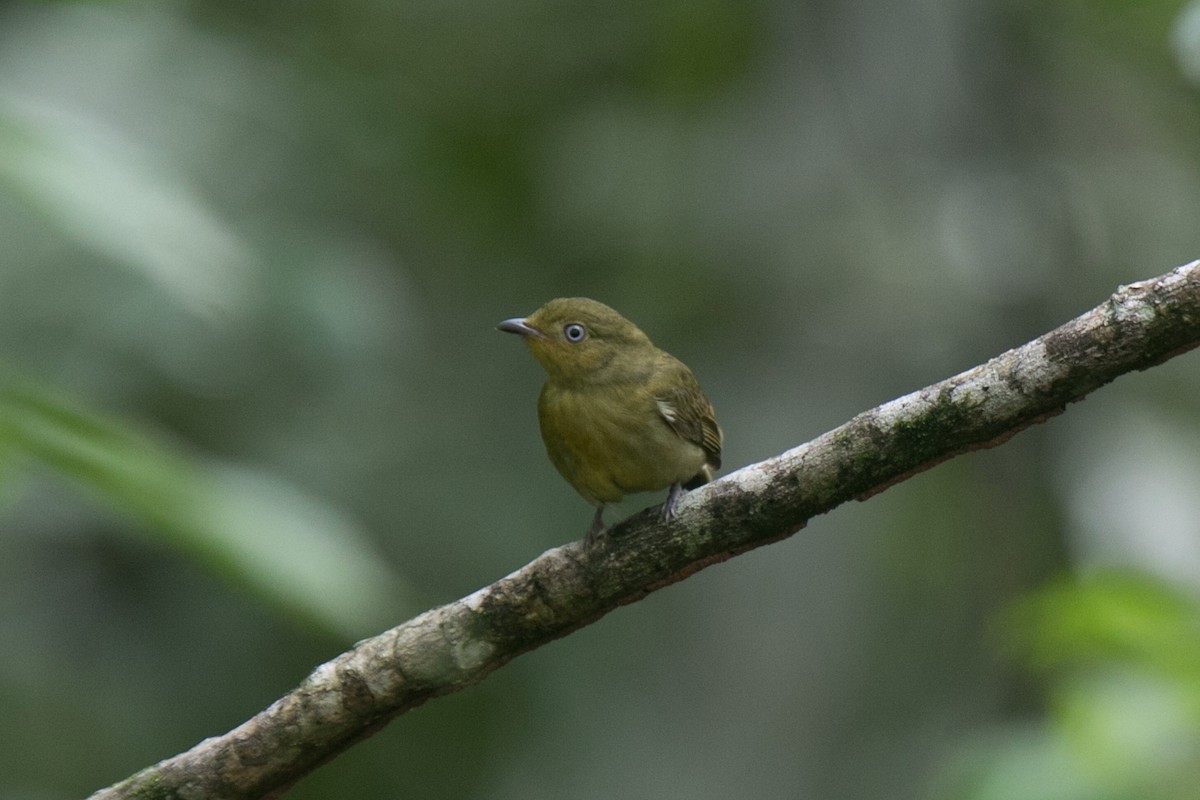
<point x="685" y="408"/>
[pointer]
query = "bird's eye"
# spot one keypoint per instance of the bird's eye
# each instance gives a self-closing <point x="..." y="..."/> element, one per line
<point x="574" y="332"/>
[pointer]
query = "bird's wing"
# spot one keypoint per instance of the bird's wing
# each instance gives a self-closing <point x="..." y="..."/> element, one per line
<point x="688" y="412"/>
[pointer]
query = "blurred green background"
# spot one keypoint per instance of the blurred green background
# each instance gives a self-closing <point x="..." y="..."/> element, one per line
<point x="252" y="405"/>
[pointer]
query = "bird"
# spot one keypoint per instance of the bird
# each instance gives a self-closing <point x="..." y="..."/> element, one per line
<point x="617" y="415"/>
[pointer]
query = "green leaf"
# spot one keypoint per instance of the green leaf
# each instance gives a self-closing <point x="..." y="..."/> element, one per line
<point x="1110" y="617"/>
<point x="286" y="546"/>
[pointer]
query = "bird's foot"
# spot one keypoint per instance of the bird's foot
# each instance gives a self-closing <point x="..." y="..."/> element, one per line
<point x="589" y="538"/>
<point x="668" y="512"/>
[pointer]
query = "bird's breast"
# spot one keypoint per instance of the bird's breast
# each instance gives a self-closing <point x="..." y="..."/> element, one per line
<point x="609" y="441"/>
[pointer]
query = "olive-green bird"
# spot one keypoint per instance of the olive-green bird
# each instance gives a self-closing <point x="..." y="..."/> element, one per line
<point x="617" y="414"/>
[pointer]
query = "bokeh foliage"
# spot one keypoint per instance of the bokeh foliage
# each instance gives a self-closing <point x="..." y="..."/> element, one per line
<point x="252" y="405"/>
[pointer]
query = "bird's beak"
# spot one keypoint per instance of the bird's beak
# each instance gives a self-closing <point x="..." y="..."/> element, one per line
<point x="521" y="326"/>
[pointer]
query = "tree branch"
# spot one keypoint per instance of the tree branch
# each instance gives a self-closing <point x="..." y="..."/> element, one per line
<point x="454" y="646"/>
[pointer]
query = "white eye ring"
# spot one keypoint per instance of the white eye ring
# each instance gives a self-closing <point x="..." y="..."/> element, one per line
<point x="574" y="332"/>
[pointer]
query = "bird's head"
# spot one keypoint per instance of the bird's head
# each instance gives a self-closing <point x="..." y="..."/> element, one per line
<point x="576" y="339"/>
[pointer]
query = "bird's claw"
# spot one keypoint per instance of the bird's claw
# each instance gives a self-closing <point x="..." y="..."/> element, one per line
<point x="668" y="512"/>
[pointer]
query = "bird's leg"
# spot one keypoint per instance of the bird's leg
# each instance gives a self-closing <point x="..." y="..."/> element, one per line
<point x="669" y="506"/>
<point x="597" y="525"/>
